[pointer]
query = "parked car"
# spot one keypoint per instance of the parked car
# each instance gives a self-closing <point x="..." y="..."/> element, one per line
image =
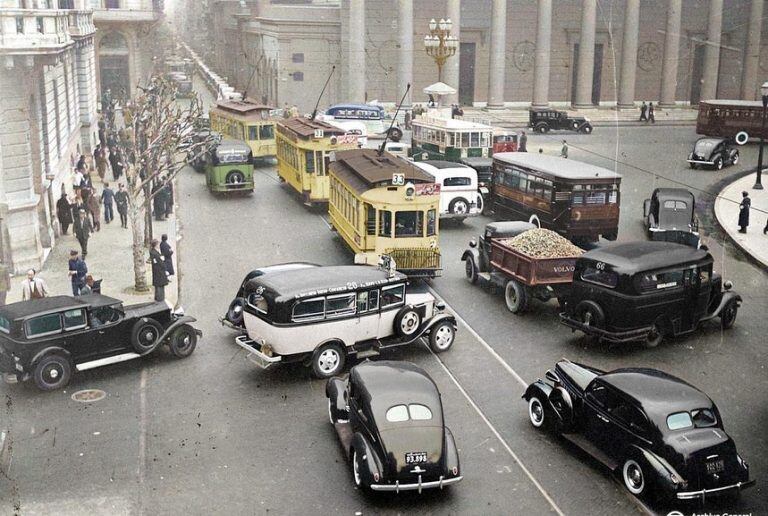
<point x="460" y="195"/>
<point x="661" y="434"/>
<point x="645" y="291"/>
<point x="542" y="120"/>
<point x="389" y="419"/>
<point x="321" y="315"/>
<point x="50" y="338"/>
<point x="713" y="152"/>
<point x="670" y="216"/>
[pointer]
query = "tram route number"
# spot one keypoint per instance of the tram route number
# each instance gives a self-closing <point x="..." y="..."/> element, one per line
<point x="398" y="179"/>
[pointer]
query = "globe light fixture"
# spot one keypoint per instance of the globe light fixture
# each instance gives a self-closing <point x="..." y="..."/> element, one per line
<point x="439" y="44"/>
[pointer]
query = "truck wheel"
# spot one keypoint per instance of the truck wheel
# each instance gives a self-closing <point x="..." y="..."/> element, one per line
<point x="459" y="206"/>
<point x="145" y="335"/>
<point x="52" y="372"/>
<point x="235" y="311"/>
<point x="328" y="360"/>
<point x="728" y="315"/>
<point x="470" y="269"/>
<point x="515" y="297"/>
<point x="441" y="336"/>
<point x="407" y="322"/>
<point x="183" y="341"/>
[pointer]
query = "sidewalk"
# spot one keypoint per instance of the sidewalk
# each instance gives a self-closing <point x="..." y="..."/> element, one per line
<point x="109" y="258"/>
<point x="753" y="243"/>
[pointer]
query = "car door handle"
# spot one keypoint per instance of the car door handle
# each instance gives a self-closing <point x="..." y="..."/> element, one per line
<point x="603" y="418"/>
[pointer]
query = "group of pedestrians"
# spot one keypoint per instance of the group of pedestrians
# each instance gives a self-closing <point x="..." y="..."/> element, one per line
<point x="647" y="113"/>
<point x="161" y="259"/>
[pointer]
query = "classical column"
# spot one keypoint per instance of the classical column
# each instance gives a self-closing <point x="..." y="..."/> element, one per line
<point x="671" y="54"/>
<point x="749" y="82"/>
<point x="543" y="46"/>
<point x="712" y="50"/>
<point x="356" y="51"/>
<point x="405" y="59"/>
<point x="629" y="54"/>
<point x="498" y="40"/>
<point x="451" y="69"/>
<point x="585" y="71"/>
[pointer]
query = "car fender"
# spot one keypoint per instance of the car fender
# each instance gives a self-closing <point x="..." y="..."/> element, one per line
<point x="727" y="297"/>
<point x="451" y="454"/>
<point x="47" y="351"/>
<point x="538" y="387"/>
<point x="438" y="318"/>
<point x="661" y="468"/>
<point x="184" y="319"/>
<point x="474" y="253"/>
<point x="369" y="460"/>
<point x="334" y="391"/>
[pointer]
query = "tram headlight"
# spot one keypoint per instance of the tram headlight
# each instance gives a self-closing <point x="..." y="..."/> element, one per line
<point x="410" y="190"/>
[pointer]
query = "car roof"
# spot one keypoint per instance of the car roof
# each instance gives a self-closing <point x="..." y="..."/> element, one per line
<point x="713" y="140"/>
<point x="633" y="257"/>
<point x="440" y="169"/>
<point x="24" y="309"/>
<point x="665" y="194"/>
<point x="556" y="166"/>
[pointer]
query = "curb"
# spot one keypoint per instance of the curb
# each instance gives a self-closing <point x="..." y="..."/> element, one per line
<point x="606" y="123"/>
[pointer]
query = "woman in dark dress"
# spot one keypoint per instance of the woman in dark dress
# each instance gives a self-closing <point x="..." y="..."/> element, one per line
<point x="167" y="252"/>
<point x="64" y="213"/>
<point x="746" y="202"/>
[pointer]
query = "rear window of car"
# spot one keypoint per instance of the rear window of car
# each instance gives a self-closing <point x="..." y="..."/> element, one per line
<point x="5" y="325"/>
<point x="652" y="282"/>
<point x="699" y="418"/>
<point x="414" y="412"/>
<point x="43" y="325"/>
<point x="600" y="277"/>
<point x="675" y="205"/>
<point x="457" y="181"/>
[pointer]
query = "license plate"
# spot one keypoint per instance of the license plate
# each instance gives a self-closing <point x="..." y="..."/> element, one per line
<point x="716" y="466"/>
<point x="415" y="457"/>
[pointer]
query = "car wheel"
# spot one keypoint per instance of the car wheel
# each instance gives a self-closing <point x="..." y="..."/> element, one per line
<point x="356" y="474"/>
<point x="328" y="360"/>
<point x="654" y="337"/>
<point x="145" y="335"/>
<point x="586" y="129"/>
<point x="52" y="372"/>
<point x="692" y="165"/>
<point x="459" y="206"/>
<point x="407" y="322"/>
<point x="634" y="478"/>
<point x="515" y="297"/>
<point x="395" y="134"/>
<point x="541" y="128"/>
<point x="719" y="163"/>
<point x="183" y="341"/>
<point x="441" y="336"/>
<point x="575" y="125"/>
<point x="235" y="177"/>
<point x="735" y="158"/>
<point x="480" y="204"/>
<point x="235" y="311"/>
<point x="470" y="269"/>
<point x="537" y="413"/>
<point x="589" y="313"/>
<point x="728" y="315"/>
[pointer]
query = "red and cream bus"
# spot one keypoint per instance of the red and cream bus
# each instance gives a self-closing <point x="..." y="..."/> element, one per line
<point x="737" y="119"/>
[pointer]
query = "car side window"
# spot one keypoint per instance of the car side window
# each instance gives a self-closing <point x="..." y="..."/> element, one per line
<point x="74" y="319"/>
<point x="309" y="309"/>
<point x="392" y="296"/>
<point x="43" y="325"/>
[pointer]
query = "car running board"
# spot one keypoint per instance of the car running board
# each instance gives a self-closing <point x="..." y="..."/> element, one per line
<point x="106" y="361"/>
<point x="583" y="443"/>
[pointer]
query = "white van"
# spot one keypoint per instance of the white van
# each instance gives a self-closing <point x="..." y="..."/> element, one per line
<point x="460" y="196"/>
<point x="398" y="149"/>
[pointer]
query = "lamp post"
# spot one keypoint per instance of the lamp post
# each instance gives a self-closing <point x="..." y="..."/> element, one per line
<point x="758" y="182"/>
<point x="439" y="43"/>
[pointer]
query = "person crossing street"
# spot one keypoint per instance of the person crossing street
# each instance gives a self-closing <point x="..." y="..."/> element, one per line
<point x="107" y="199"/>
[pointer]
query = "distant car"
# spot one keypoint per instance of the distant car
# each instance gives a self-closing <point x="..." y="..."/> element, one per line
<point x="544" y="120"/>
<point x="389" y="419"/>
<point x="48" y="339"/>
<point x="460" y="195"/>
<point x="398" y="149"/>
<point x="661" y="434"/>
<point x="713" y="152"/>
<point x="670" y="216"/>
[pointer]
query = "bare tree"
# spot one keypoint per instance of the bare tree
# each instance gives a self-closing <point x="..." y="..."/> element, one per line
<point x="158" y="140"/>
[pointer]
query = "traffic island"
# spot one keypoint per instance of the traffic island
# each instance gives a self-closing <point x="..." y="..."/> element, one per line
<point x="753" y="243"/>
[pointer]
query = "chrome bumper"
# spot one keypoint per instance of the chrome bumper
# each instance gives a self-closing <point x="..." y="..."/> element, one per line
<point x="693" y="495"/>
<point x="700" y="162"/>
<point x="255" y="355"/>
<point x="397" y="486"/>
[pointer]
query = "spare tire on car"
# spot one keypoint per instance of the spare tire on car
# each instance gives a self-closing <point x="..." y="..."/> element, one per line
<point x="235" y="311"/>
<point x="145" y="335"/>
<point x="407" y="322"/>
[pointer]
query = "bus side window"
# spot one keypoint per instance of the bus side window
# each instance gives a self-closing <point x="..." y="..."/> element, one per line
<point x="373" y="299"/>
<point x="385" y="223"/>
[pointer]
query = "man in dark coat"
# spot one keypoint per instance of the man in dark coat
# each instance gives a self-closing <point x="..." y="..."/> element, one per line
<point x="167" y="252"/>
<point x="107" y="199"/>
<point x="168" y="191"/>
<point x="651" y="115"/>
<point x="158" y="200"/>
<point x="746" y="202"/>
<point x="83" y="230"/>
<point x="523" y="142"/>
<point x="121" y="200"/>
<point x="64" y="212"/>
<point x="77" y="271"/>
<point x="159" y="276"/>
<point x="115" y="161"/>
<point x="643" y="111"/>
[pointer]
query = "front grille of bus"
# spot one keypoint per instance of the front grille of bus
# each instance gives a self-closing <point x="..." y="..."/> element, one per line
<point x="415" y="258"/>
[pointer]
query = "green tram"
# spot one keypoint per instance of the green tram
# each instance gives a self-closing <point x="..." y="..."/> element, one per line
<point x="450" y="139"/>
<point x="229" y="167"/>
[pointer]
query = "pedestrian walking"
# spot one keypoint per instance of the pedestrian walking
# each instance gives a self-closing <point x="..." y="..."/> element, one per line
<point x="407" y="119"/>
<point x="102" y="133"/>
<point x="168" y="198"/>
<point x="643" y="112"/>
<point x="83" y="230"/>
<point x="107" y="199"/>
<point x="746" y="202"/>
<point x="5" y="282"/>
<point x="82" y="166"/>
<point x="159" y="275"/>
<point x="64" y="212"/>
<point x="121" y="200"/>
<point x="94" y="209"/>
<point x="77" y="180"/>
<point x="77" y="271"/>
<point x="523" y="140"/>
<point x="564" y="150"/>
<point x="651" y="116"/>
<point x="99" y="156"/>
<point x="116" y="162"/>
<point x="33" y="287"/>
<point x="158" y="201"/>
<point x="167" y="252"/>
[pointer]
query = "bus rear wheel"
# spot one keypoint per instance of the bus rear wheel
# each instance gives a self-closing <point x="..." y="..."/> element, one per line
<point x="741" y="137"/>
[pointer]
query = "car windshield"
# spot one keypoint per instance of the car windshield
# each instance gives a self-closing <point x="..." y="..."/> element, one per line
<point x="699" y="418"/>
<point x="414" y="412"/>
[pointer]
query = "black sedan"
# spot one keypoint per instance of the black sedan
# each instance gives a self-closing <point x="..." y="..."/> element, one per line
<point x="389" y="419"/>
<point x="713" y="152"/>
<point x="657" y="431"/>
<point x="48" y="339"/>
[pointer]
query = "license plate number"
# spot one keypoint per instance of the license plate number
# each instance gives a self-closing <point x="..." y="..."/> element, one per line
<point x="415" y="457"/>
<point x="716" y="466"/>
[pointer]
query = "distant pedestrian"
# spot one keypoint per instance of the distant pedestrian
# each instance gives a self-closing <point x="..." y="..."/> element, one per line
<point x="5" y="282"/>
<point x="83" y="230"/>
<point x="294" y="111"/>
<point x="523" y="147"/>
<point x="651" y="116"/>
<point x="167" y="252"/>
<point x="159" y="275"/>
<point x="541" y="151"/>
<point x="99" y="156"/>
<point x="82" y="166"/>
<point x="746" y="202"/>
<point x="95" y="211"/>
<point x="168" y="191"/>
<point x="107" y="199"/>
<point x="77" y="271"/>
<point x="564" y="150"/>
<point x="33" y="287"/>
<point x="77" y="180"/>
<point x="431" y="100"/>
<point x="102" y="133"/>
<point x="407" y="119"/>
<point x="643" y="112"/>
<point x="158" y="201"/>
<point x="116" y="162"/>
<point x="286" y="111"/>
<point x="121" y="200"/>
<point x="64" y="212"/>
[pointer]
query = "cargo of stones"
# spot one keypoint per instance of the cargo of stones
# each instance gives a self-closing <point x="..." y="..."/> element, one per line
<point x="542" y="243"/>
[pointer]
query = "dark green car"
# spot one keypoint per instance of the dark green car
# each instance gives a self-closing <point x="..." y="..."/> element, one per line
<point x="229" y="167"/>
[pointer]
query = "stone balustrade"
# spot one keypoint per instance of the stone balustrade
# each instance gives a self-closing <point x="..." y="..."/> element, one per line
<point x="31" y="31"/>
<point x="81" y="23"/>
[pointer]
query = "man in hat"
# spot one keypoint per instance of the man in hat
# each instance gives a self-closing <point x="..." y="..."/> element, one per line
<point x="77" y="271"/>
<point x="83" y="230"/>
<point x="746" y="202"/>
<point x="159" y="276"/>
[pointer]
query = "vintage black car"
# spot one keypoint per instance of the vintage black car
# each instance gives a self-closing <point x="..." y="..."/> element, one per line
<point x="661" y="434"/>
<point x="645" y="291"/>
<point x="542" y="120"/>
<point x="484" y="169"/>
<point x="389" y="419"/>
<point x="477" y="258"/>
<point x="50" y="338"/>
<point x="670" y="216"/>
<point x="713" y="152"/>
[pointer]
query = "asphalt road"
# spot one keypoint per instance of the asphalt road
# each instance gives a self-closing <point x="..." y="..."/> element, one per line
<point x="214" y="434"/>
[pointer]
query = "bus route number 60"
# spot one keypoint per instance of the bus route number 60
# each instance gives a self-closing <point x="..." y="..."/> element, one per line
<point x="398" y="179"/>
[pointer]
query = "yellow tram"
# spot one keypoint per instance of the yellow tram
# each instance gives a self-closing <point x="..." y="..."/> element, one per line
<point x="383" y="205"/>
<point x="304" y="150"/>
<point x="248" y="121"/>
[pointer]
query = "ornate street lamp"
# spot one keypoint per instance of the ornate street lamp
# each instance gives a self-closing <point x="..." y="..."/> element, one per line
<point x="439" y="43"/>
<point x="758" y="183"/>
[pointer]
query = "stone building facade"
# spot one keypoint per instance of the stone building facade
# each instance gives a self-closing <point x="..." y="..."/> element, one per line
<point x="512" y="52"/>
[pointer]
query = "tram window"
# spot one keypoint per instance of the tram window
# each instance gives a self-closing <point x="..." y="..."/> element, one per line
<point x="431" y="226"/>
<point x="474" y="139"/>
<point x="596" y="198"/>
<point x="385" y="223"/>
<point x="370" y="220"/>
<point x="464" y="140"/>
<point x="253" y="132"/>
<point x="309" y="157"/>
<point x="319" y="163"/>
<point x="409" y="224"/>
<point x="266" y="132"/>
